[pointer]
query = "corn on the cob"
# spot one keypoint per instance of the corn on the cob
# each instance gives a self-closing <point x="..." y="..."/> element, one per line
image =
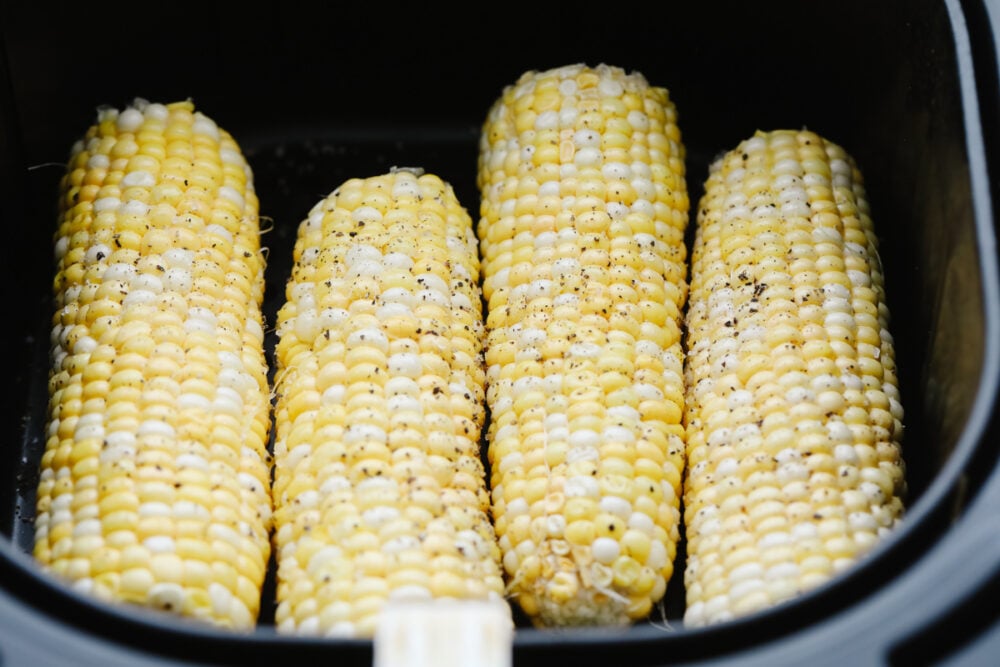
<point x="154" y="483"/>
<point x="584" y="207"/>
<point x="793" y="415"/>
<point x="380" y="490"/>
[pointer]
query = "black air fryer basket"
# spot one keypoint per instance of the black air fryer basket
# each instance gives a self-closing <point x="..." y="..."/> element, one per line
<point x="318" y="93"/>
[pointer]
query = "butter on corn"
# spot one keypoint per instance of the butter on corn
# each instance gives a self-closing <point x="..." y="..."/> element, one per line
<point x="154" y="483"/>
<point x="793" y="414"/>
<point x="584" y="207"/>
<point x="380" y="490"/>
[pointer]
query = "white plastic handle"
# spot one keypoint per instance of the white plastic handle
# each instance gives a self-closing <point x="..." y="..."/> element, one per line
<point x="444" y="633"/>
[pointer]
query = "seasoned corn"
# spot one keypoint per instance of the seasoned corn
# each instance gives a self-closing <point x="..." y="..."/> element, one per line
<point x="793" y="414"/>
<point x="584" y="207"/>
<point x="380" y="491"/>
<point x="154" y="481"/>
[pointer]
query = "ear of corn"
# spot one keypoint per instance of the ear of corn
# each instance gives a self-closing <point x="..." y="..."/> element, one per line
<point x="154" y="481"/>
<point x="583" y="213"/>
<point x="380" y="490"/>
<point x="793" y="414"/>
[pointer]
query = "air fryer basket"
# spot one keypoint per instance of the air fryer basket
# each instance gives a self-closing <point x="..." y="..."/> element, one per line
<point x="319" y="94"/>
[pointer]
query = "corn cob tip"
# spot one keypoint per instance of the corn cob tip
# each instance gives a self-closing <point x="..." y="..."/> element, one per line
<point x="416" y="171"/>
